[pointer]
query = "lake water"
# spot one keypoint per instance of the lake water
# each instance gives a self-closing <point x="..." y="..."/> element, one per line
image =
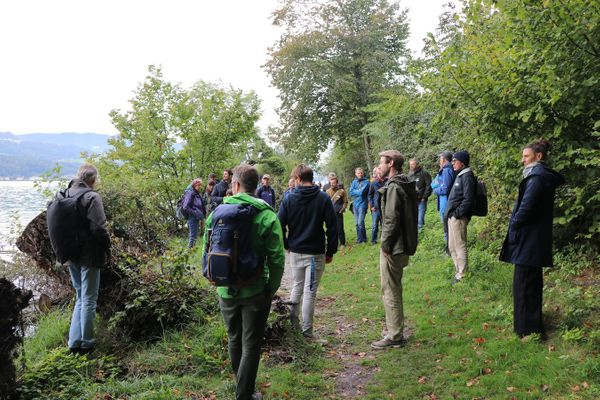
<point x="20" y="202"/>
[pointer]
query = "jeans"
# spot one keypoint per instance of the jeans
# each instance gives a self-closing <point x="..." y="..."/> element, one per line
<point x="375" y="218"/>
<point x="391" y="268"/>
<point x="86" y="282"/>
<point x="442" y="201"/>
<point x="422" y="210"/>
<point x="359" y="216"/>
<point x="246" y="320"/>
<point x="307" y="270"/>
<point x="194" y="225"/>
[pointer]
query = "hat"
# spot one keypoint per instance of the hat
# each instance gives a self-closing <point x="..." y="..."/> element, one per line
<point x="447" y="155"/>
<point x="266" y="176"/>
<point x="462" y="156"/>
<point x="331" y="175"/>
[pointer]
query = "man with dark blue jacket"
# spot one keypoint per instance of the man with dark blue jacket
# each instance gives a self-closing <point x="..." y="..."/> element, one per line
<point x="221" y="188"/>
<point x="266" y="192"/>
<point x="441" y="187"/>
<point x="302" y="214"/>
<point x="359" y="190"/>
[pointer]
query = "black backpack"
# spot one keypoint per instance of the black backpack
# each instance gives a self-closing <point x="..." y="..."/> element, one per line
<point x="229" y="259"/>
<point x="480" y="205"/>
<point x="64" y="221"/>
<point x="179" y="211"/>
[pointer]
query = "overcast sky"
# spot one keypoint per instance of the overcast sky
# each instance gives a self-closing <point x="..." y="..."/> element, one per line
<point x="64" y="64"/>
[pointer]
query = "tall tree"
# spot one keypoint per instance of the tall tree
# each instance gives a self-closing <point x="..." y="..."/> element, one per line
<point x="332" y="59"/>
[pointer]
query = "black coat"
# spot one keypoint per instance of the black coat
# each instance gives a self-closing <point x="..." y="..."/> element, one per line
<point x="462" y="195"/>
<point x="219" y="191"/>
<point x="529" y="238"/>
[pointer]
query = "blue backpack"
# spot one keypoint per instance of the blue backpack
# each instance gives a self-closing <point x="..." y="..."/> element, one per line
<point x="229" y="259"/>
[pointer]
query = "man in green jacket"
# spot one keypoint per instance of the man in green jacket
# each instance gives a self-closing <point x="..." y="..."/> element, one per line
<point x="398" y="205"/>
<point x="245" y="310"/>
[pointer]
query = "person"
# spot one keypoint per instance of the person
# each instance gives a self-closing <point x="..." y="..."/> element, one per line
<point x="212" y="178"/>
<point x="373" y="200"/>
<point x="291" y="187"/>
<point x="194" y="209"/>
<point x="85" y="268"/>
<point x="422" y="181"/>
<point x="266" y="192"/>
<point x="339" y="199"/>
<point x="458" y="212"/>
<point x="528" y="243"/>
<point x="245" y="310"/>
<point x="207" y="197"/>
<point x="398" y="205"/>
<point x="359" y="190"/>
<point x="330" y="176"/>
<point x="220" y="190"/>
<point x="302" y="215"/>
<point x="445" y="179"/>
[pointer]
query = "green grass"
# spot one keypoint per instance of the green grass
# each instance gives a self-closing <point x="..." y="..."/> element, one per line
<point x="461" y="344"/>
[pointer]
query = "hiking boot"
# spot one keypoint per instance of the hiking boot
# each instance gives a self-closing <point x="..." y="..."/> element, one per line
<point x="386" y="343"/>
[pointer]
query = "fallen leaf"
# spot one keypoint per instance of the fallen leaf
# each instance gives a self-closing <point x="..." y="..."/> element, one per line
<point x="551" y="348"/>
<point x="472" y="382"/>
<point x="585" y="385"/>
<point x="365" y="319"/>
<point x="479" y="340"/>
<point x="422" y="380"/>
<point x="511" y="389"/>
<point x="362" y="354"/>
<point x="487" y="371"/>
<point x="575" y="388"/>
<point x="265" y="384"/>
<point x="485" y="326"/>
<point x="545" y="388"/>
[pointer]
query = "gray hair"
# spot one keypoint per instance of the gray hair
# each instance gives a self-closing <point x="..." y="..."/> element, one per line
<point x="87" y="173"/>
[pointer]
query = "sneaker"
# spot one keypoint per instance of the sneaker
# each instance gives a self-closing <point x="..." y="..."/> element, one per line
<point x="386" y="343"/>
<point x="455" y="281"/>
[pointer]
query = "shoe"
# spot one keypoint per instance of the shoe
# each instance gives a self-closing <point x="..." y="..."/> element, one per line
<point x="256" y="396"/>
<point x="455" y="281"/>
<point x="386" y="343"/>
<point x="342" y="249"/>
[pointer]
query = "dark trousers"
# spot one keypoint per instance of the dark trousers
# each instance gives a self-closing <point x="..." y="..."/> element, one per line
<point x="528" y="284"/>
<point x="339" y="218"/>
<point x="245" y="320"/>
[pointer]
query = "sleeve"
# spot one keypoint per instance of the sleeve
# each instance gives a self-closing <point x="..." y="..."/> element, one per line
<point x="371" y="195"/>
<point x="275" y="255"/>
<point x="345" y="200"/>
<point x="97" y="221"/>
<point x="216" y="196"/>
<point x="354" y="192"/>
<point x="445" y="183"/>
<point x="427" y="185"/>
<point x="532" y="194"/>
<point x="282" y="215"/>
<point x="465" y="208"/>
<point x="330" y="229"/>
<point x="390" y="219"/>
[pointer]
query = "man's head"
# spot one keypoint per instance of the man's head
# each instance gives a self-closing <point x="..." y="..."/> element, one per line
<point x="302" y="174"/>
<point x="266" y="179"/>
<point x="331" y="175"/>
<point x="212" y="177"/>
<point x="88" y="174"/>
<point x="445" y="158"/>
<point x="376" y="173"/>
<point x="227" y="174"/>
<point x="359" y="173"/>
<point x="210" y="185"/>
<point x="460" y="160"/>
<point x="196" y="184"/>
<point x="390" y="163"/>
<point x="413" y="164"/>
<point x="244" y="179"/>
<point x="333" y="182"/>
<point x="292" y="183"/>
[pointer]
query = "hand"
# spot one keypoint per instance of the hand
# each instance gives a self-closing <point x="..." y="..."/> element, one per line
<point x="385" y="254"/>
<point x="328" y="259"/>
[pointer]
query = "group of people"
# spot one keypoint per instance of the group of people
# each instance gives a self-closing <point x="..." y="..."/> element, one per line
<point x="306" y="229"/>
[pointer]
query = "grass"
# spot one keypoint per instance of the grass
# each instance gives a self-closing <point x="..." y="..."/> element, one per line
<point x="461" y="342"/>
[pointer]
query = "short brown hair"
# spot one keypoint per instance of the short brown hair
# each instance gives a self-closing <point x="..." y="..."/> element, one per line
<point x="395" y="156"/>
<point x="303" y="172"/>
<point x="247" y="176"/>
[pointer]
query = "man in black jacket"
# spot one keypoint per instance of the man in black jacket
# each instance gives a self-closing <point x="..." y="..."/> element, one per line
<point x="459" y="210"/>
<point x="221" y="188"/>
<point x="302" y="214"/>
<point x="422" y="181"/>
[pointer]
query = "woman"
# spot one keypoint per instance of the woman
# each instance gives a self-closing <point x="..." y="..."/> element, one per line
<point x="528" y="243"/>
<point x="339" y="198"/>
<point x="194" y="209"/>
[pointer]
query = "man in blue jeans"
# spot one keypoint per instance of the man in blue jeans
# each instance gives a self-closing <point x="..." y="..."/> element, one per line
<point x="94" y="242"/>
<point x="359" y="190"/>
<point x="376" y="184"/>
<point x="422" y="181"/>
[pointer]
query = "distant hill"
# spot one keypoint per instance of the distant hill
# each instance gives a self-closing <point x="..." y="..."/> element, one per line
<point x="35" y="153"/>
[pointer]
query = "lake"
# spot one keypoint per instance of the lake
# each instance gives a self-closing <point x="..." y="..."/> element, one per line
<point x="20" y="202"/>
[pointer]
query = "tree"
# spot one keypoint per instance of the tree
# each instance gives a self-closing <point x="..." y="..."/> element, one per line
<point x="332" y="59"/>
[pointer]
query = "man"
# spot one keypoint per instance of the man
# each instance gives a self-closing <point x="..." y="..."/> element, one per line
<point x="444" y="181"/>
<point x="422" y="181"/>
<point x="458" y="212"/>
<point x="359" y="190"/>
<point x="331" y="176"/>
<point x="398" y="205"/>
<point x="339" y="199"/>
<point x="220" y="190"/>
<point x="84" y="268"/>
<point x="373" y="197"/>
<point x="266" y="192"/>
<point x="302" y="215"/>
<point x="291" y="187"/>
<point x="245" y="310"/>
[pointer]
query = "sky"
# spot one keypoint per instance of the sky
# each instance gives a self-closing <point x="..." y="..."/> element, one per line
<point x="64" y="64"/>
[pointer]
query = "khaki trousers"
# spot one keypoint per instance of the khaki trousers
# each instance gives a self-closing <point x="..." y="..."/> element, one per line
<point x="391" y="268"/>
<point x="457" y="244"/>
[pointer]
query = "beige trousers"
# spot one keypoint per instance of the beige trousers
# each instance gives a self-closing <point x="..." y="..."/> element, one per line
<point x="457" y="243"/>
<point x="391" y="268"/>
